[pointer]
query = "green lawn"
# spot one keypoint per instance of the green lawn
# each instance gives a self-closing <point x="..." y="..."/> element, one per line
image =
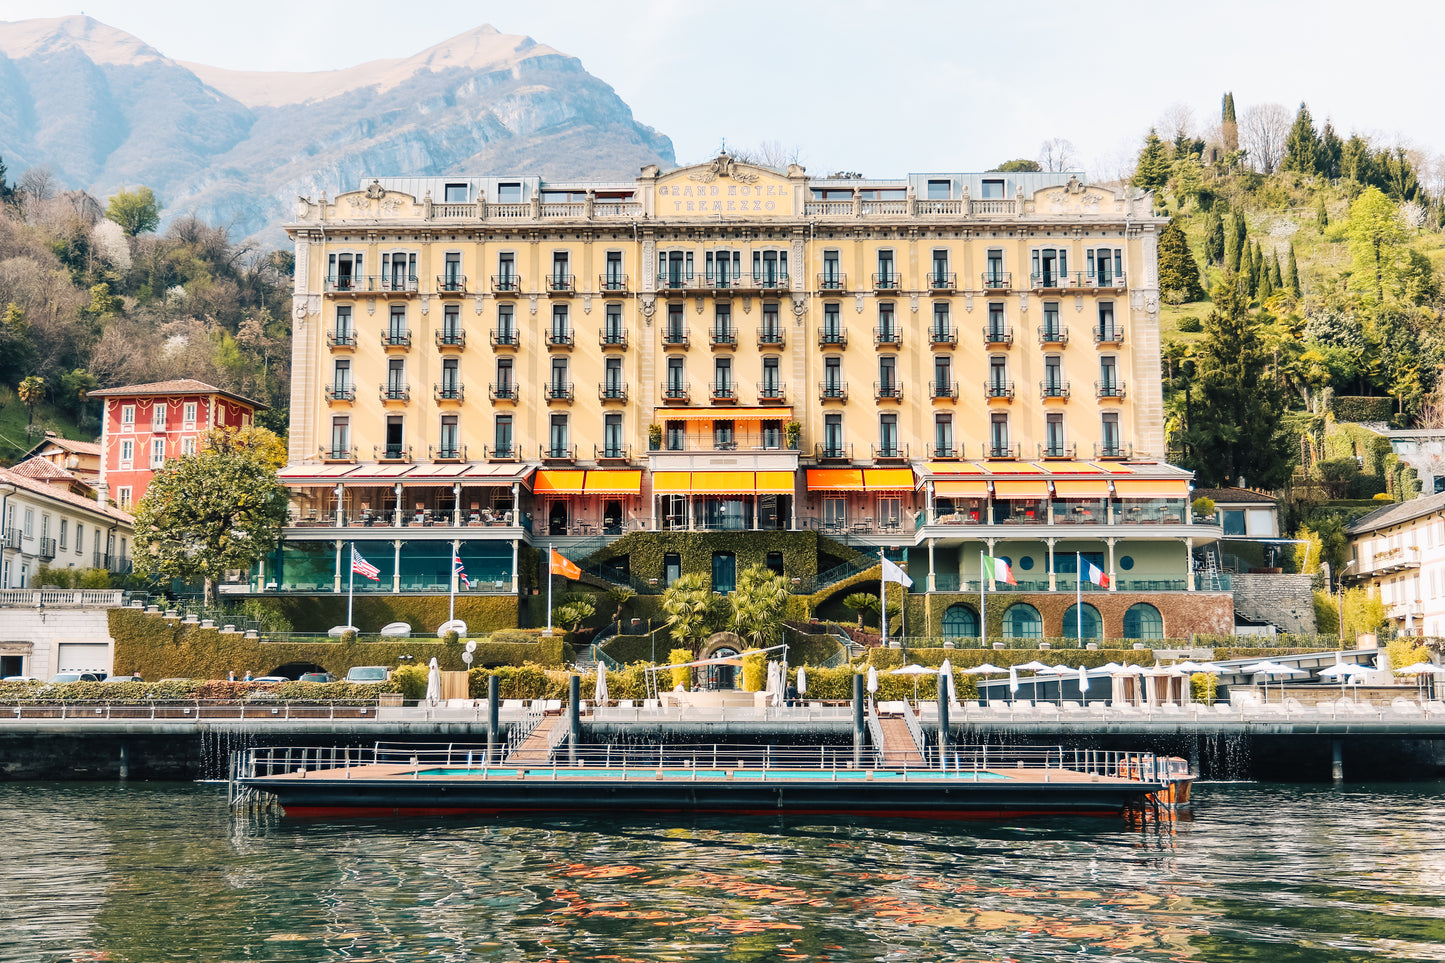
<point x="13" y="418"/>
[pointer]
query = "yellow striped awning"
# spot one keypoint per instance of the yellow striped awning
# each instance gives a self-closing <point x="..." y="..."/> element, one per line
<point x="672" y="482"/>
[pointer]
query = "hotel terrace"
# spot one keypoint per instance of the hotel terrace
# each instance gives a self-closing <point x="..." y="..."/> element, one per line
<point x="940" y="365"/>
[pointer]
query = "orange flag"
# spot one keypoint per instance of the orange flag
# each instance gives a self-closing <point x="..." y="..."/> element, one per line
<point x="564" y="566"/>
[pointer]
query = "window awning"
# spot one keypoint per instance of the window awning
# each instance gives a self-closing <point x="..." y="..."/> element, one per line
<point x="1081" y="487"/>
<point x="953" y="468"/>
<point x="671" y="482"/>
<point x="722" y="482"/>
<point x="613" y="483"/>
<point x="960" y="488"/>
<point x="1151" y="487"/>
<point x="1020" y="488"/>
<point x="888" y="479"/>
<point x="775" y="413"/>
<point x="835" y="480"/>
<point x="775" y="482"/>
<point x="559" y="482"/>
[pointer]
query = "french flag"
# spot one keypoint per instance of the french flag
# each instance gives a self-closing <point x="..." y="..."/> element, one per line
<point x="1096" y="575"/>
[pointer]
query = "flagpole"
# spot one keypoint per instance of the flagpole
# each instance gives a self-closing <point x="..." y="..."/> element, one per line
<point x="350" y="582"/>
<point x="452" y="609"/>
<point x="549" y="589"/>
<point x="982" y="604"/>
<point x="1079" y="604"/>
<point x="883" y="594"/>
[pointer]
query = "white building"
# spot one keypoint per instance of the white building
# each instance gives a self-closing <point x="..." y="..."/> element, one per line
<point x="48" y="522"/>
<point x="1399" y="552"/>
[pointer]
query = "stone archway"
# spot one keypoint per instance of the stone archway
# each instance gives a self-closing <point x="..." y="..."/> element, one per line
<point x="718" y="645"/>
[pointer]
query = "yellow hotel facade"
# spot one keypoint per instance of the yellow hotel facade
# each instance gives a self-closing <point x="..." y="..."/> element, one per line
<point x="940" y="366"/>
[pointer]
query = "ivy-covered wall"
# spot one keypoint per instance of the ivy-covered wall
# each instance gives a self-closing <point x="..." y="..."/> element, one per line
<point x="318" y="613"/>
<point x="801" y="551"/>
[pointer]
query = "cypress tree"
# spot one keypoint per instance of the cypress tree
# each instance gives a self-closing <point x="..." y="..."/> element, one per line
<point x="1214" y="238"/>
<point x="1152" y="171"/>
<point x="1276" y="277"/>
<point x="1266" y="285"/>
<point x="1293" y="276"/>
<point x="1236" y="248"/>
<point x="1178" y="271"/>
<point x="1256" y="259"/>
<point x="1302" y="149"/>
<point x="1322" y="218"/>
<point x="1229" y="127"/>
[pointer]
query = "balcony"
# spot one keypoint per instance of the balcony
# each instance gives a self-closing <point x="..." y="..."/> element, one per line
<point x="726" y="282"/>
<point x="617" y="453"/>
<point x="503" y="452"/>
<point x="1390" y="560"/>
<point x="1052" y="334"/>
<point x="945" y="337"/>
<point x="668" y="281"/>
<point x="997" y="281"/>
<point x="998" y="390"/>
<point x="47" y="549"/>
<point x="892" y="452"/>
<point x="611" y="393"/>
<point x="506" y="285"/>
<point x="396" y="339"/>
<point x="396" y="453"/>
<point x="451" y="284"/>
<point x="723" y="394"/>
<point x="612" y="340"/>
<point x="770" y="282"/>
<point x="336" y="453"/>
<point x="888" y="390"/>
<point x="449" y="391"/>
<point x="771" y="338"/>
<point x="1113" y="451"/>
<point x="998" y="335"/>
<point x="506" y="391"/>
<point x="1109" y="334"/>
<point x="943" y="390"/>
<point x="449" y="339"/>
<point x="341" y="339"/>
<point x="833" y="391"/>
<point x="13" y="538"/>
<point x="890" y="336"/>
<point x="723" y="337"/>
<point x="772" y="393"/>
<point x="675" y="338"/>
<point x="391" y="393"/>
<point x="997" y="452"/>
<point x="561" y="284"/>
<point x="559" y="391"/>
<point x="1109" y="389"/>
<point x="343" y="393"/>
<point x="832" y="337"/>
<point x="1103" y="280"/>
<point x="561" y="338"/>
<point x="612" y="283"/>
<point x="1059" y="451"/>
<point x="504" y="338"/>
<point x="557" y="452"/>
<point x="447" y="452"/>
<point x="676" y="395"/>
<point x="942" y="282"/>
<point x="831" y="282"/>
<point x="1048" y="280"/>
<point x="1054" y="389"/>
<point x="943" y="452"/>
<point x="887" y="282"/>
<point x="371" y="284"/>
<point x="835" y="452"/>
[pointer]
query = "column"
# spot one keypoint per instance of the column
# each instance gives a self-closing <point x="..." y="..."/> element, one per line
<point x="261" y="574"/>
<point x="1053" y="583"/>
<point x="457" y="505"/>
<point x="652" y="507"/>
<point x="396" y="521"/>
<point x="396" y="565"/>
<point x="755" y="511"/>
<point x="516" y="511"/>
<point x="1189" y="563"/>
<point x="340" y="503"/>
<point x="514" y="568"/>
<point x="1113" y="576"/>
<point x="932" y="582"/>
<point x="991" y="542"/>
<point x="336" y="585"/>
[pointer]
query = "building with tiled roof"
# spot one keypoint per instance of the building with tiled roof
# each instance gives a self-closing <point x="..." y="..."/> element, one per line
<point x="1398" y="552"/>
<point x="49" y="524"/>
<point x="80" y="458"/>
<point x="144" y="425"/>
<point x="52" y="474"/>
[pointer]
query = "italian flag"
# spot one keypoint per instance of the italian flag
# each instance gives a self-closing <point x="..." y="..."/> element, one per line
<point x="997" y="570"/>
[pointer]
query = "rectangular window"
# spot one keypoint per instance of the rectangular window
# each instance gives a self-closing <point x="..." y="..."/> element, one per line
<point x="398" y="271"/>
<point x="833" y="375"/>
<point x="890" y="511"/>
<point x="29" y="523"/>
<point x="722" y="435"/>
<point x="832" y="271"/>
<point x="342" y="381"/>
<point x="941" y="329"/>
<point x="507" y="271"/>
<point x="502" y="436"/>
<point x="455" y="194"/>
<point x="79" y="539"/>
<point x="559" y="377"/>
<point x="676" y="328"/>
<point x="127" y="417"/>
<point x="676" y="432"/>
<point x="723" y="267"/>
<point x="772" y="379"/>
<point x="340" y="437"/>
<point x="1110" y="434"/>
<point x="612" y="436"/>
<point x="558" y="438"/>
<point x="887" y="373"/>
<point x="998" y="436"/>
<point x="940" y="190"/>
<point x="835" y="513"/>
<point x="509" y="192"/>
<point x="943" y="435"/>
<point x="188" y="415"/>
<point x="613" y="377"/>
<point x="188" y="446"/>
<point x="396" y="377"/>
<point x="722" y="330"/>
<point x="940" y="268"/>
<point x="997" y="374"/>
<point x="772" y="434"/>
<point x="158" y="452"/>
<point x="127" y="453"/>
<point x="561" y="271"/>
<point x="770" y="268"/>
<point x="833" y="436"/>
<point x="65" y="523"/>
<point x="451" y="324"/>
<point x="506" y="325"/>
<point x="723" y="378"/>
<point x="1105" y="265"/>
<point x="395" y="426"/>
<point x="561" y="329"/>
<point x="724" y="572"/>
<point x="671" y="561"/>
<point x="396" y="326"/>
<point x="1108" y="374"/>
<point x="888" y="436"/>
<point x="992" y="190"/>
<point x="449" y="442"/>
<point x="994" y="276"/>
<point x="1053" y="376"/>
<point x="1050" y="267"/>
<point x="676" y="378"/>
<point x="1106" y="330"/>
<point x="614" y="279"/>
<point x="1054" y="435"/>
<point x="832" y="324"/>
<point x="452" y="272"/>
<point x="158" y="416"/>
<point x="887" y="327"/>
<point x="343" y="270"/>
<point x="997" y="328"/>
<point x="612" y="330"/>
<point x="887" y="276"/>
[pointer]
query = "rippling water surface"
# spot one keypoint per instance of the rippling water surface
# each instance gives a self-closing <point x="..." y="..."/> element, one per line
<point x="1262" y="872"/>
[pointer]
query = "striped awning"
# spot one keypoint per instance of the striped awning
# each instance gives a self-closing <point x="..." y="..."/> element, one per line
<point x="960" y="488"/>
<point x="1151" y="487"/>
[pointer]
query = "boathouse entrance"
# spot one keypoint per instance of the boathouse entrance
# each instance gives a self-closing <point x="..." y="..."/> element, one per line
<point x="721" y="645"/>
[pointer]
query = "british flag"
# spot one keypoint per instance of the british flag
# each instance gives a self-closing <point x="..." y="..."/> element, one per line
<point x="459" y="571"/>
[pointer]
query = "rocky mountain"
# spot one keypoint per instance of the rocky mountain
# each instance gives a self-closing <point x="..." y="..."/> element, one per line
<point x="105" y="111"/>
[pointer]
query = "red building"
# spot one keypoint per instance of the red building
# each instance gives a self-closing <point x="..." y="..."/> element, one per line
<point x="143" y="425"/>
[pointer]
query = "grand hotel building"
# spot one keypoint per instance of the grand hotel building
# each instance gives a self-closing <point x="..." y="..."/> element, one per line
<point x="940" y="365"/>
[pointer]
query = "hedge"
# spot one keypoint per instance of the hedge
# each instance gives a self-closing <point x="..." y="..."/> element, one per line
<point x="191" y="690"/>
<point x="425" y="613"/>
<point x="1358" y="408"/>
<point x="645" y="551"/>
<point x="161" y="648"/>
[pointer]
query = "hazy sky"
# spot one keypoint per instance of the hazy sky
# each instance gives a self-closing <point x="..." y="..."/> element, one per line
<point x="884" y="88"/>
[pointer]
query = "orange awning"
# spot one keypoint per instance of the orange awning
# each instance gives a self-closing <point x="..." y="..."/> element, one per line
<point x="1015" y="488"/>
<point x="1013" y="468"/>
<point x="963" y="488"/>
<point x="613" y="483"/>
<point x="775" y="482"/>
<point x="888" y="479"/>
<point x="722" y="482"/>
<point x="1151" y="488"/>
<point x="835" y="480"/>
<point x="671" y="482"/>
<point x="560" y="482"/>
<point x="1081" y="488"/>
<point x="777" y="413"/>
<point x="954" y="468"/>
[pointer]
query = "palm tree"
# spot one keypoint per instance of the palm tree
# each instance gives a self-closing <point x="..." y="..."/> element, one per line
<point x="757" y="605"/>
<point x="861" y="602"/>
<point x="687" y="603"/>
<point x="31" y="391"/>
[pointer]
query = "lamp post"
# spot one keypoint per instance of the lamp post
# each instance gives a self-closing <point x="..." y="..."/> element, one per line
<point x="1348" y="565"/>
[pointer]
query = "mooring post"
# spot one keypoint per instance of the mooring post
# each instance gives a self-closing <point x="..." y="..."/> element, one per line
<point x="574" y="716"/>
<point x="942" y="723"/>
<point x="1337" y="760"/>
<point x="858" y="723"/>
<point x="493" y="713"/>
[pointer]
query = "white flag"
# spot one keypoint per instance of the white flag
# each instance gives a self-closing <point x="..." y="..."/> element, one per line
<point x="892" y="573"/>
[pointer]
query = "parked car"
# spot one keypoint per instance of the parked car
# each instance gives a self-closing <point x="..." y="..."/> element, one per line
<point x="271" y="678"/>
<point x="19" y="678"/>
<point x="77" y="677"/>
<point x="317" y="677"/>
<point x="368" y="673"/>
<point x="123" y="678"/>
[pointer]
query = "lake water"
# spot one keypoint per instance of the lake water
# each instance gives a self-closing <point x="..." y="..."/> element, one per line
<point x="1262" y="872"/>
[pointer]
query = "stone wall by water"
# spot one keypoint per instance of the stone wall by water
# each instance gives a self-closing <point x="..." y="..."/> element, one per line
<point x="1286" y="601"/>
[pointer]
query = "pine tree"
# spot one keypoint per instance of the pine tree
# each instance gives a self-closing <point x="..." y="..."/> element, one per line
<point x="1236" y="249"/>
<point x="1293" y="276"/>
<point x="6" y="191"/>
<point x="1214" y="238"/>
<point x="1152" y="171"/>
<point x="1302" y="148"/>
<point x="1322" y="218"/>
<point x="1331" y="148"/>
<point x="1229" y="127"/>
<point x="1255" y="266"/>
<point x="1178" y="271"/>
<point x="1266" y="285"/>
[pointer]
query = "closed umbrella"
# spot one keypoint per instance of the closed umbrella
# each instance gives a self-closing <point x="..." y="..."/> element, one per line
<point x="1083" y="684"/>
<point x="433" y="683"/>
<point x="872" y="680"/>
<point x="945" y="677"/>
<point x="802" y="680"/>
<point x="599" y="695"/>
<point x="1013" y="681"/>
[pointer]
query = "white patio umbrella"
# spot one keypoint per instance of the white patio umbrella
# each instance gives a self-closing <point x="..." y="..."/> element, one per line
<point x="872" y="680"/>
<point x="802" y="680"/>
<point x="772" y="690"/>
<point x="1189" y="668"/>
<point x="945" y="677"/>
<point x="433" y="683"/>
<point x="1036" y="666"/>
<point x="1083" y="683"/>
<point x="1013" y="681"/>
<point x="1268" y="669"/>
<point x="1418" y="668"/>
<point x="1343" y="671"/>
<point x="915" y="671"/>
<point x="599" y="694"/>
<point x="985" y="669"/>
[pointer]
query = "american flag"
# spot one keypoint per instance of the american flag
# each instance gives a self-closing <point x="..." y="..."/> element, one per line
<point x="362" y="567"/>
<point x="460" y="572"/>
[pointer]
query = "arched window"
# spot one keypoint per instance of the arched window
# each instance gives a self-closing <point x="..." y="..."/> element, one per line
<point x="1143" y="621"/>
<point x="1022" y="621"/>
<point x="960" y="622"/>
<point x="1092" y="627"/>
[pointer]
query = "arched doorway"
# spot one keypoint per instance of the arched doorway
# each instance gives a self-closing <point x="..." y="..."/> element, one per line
<point x="960" y="622"/>
<point x="721" y="645"/>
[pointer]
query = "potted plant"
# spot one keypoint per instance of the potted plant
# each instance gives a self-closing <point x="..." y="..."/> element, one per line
<point x="792" y="431"/>
<point x="654" y="436"/>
